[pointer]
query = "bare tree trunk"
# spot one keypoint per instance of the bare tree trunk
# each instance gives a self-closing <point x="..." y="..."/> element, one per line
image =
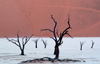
<point x="45" y="46"/>
<point x="92" y="44"/>
<point x="36" y="45"/>
<point x="56" y="52"/>
<point x="22" y="52"/>
<point x="81" y="45"/>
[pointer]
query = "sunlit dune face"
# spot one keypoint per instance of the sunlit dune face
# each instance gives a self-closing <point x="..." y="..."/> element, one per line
<point x="30" y="16"/>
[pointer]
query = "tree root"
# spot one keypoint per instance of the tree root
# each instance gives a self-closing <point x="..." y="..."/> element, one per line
<point x="49" y="59"/>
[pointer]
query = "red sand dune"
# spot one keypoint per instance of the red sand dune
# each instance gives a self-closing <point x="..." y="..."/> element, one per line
<point x="30" y="16"/>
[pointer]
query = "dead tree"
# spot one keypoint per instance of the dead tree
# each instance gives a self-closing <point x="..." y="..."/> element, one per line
<point x="58" y="41"/>
<point x="45" y="43"/>
<point x="92" y="44"/>
<point x="81" y="45"/>
<point x="22" y="44"/>
<point x="36" y="42"/>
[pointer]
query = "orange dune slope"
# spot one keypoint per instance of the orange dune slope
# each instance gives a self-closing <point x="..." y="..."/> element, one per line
<point x="30" y="16"/>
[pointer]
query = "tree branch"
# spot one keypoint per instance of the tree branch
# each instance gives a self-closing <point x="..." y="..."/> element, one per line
<point x="36" y="40"/>
<point x="44" y="42"/>
<point x="23" y="40"/>
<point x="81" y="43"/>
<point x="12" y="41"/>
<point x="52" y="38"/>
<point x="18" y="40"/>
<point x="47" y="29"/>
<point x="68" y="26"/>
<point x="53" y="19"/>
<point x="60" y="43"/>
<point x="17" y="37"/>
<point x="54" y="28"/>
<point x="69" y="35"/>
<point x="57" y="33"/>
<point x="28" y="39"/>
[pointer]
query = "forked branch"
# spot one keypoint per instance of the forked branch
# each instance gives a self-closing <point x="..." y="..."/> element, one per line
<point x="54" y="30"/>
<point x="45" y="43"/>
<point x="26" y="39"/>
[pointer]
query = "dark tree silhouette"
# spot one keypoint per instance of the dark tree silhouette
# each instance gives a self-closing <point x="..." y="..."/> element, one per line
<point x="58" y="41"/>
<point x="22" y="44"/>
<point x="36" y="42"/>
<point x="81" y="45"/>
<point x="92" y="44"/>
<point x="45" y="43"/>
